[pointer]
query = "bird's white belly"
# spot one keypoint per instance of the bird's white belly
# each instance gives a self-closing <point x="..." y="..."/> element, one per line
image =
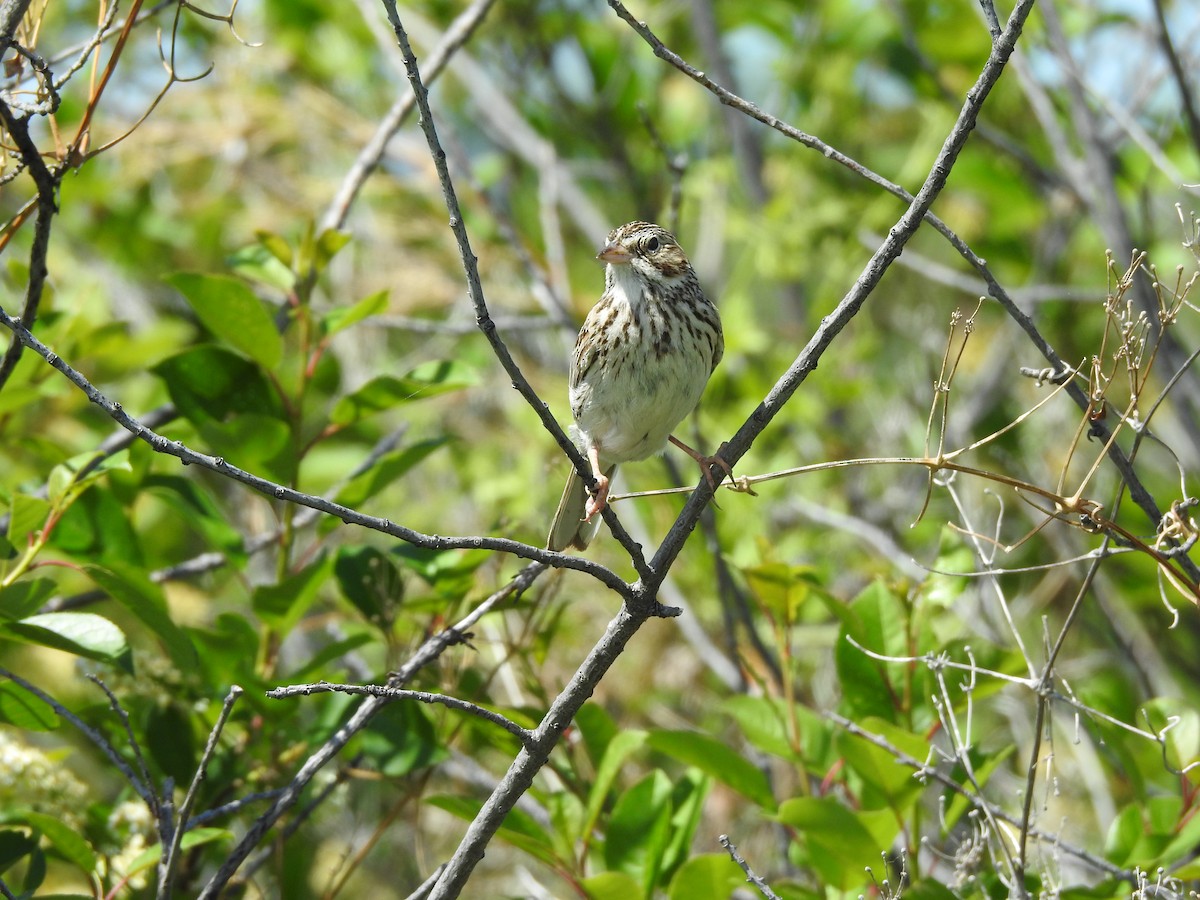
<point x="628" y="415"/>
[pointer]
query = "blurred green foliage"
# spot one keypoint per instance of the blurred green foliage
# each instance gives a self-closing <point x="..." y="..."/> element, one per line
<point x="199" y="274"/>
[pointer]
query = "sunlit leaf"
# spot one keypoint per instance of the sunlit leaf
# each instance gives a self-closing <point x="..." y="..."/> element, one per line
<point x="231" y="311"/>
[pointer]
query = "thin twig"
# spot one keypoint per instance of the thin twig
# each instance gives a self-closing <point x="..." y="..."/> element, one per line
<point x="170" y="860"/>
<point x="47" y="189"/>
<point x="391" y="693"/>
<point x="371" y="155"/>
<point x="751" y="878"/>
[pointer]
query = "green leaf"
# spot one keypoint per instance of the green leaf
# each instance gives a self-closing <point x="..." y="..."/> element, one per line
<point x="875" y="621"/>
<point x="15" y="844"/>
<point x="763" y="721"/>
<point x="257" y="443"/>
<point x="231" y="311"/>
<point x="782" y="589"/>
<point x="194" y="837"/>
<point x="611" y="886"/>
<point x="276" y="245"/>
<point x="329" y="243"/>
<point x="839" y="843"/>
<point x="386" y="391"/>
<point x="66" y="478"/>
<point x="597" y="728"/>
<point x="83" y="634"/>
<point x="387" y="469"/>
<point x="209" y="382"/>
<point x="283" y="604"/>
<point x="519" y="828"/>
<point x="199" y="511"/>
<point x="886" y="782"/>
<point x="268" y="262"/>
<point x="27" y="514"/>
<point x="146" y="600"/>
<point x="22" y="709"/>
<point x="400" y="739"/>
<point x="615" y="753"/>
<point x="716" y="759"/>
<point x="70" y="845"/>
<point x="637" y="830"/>
<point x="687" y="800"/>
<point x="343" y="317"/>
<point x="329" y="653"/>
<point x="711" y="876"/>
<point x="171" y="740"/>
<point x="24" y="597"/>
<point x="449" y="571"/>
<point x="97" y="525"/>
<point x="369" y="580"/>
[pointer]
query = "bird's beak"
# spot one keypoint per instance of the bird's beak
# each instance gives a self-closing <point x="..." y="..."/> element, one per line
<point x="614" y="254"/>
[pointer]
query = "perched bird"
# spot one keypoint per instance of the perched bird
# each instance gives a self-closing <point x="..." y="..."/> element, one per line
<point x="640" y="364"/>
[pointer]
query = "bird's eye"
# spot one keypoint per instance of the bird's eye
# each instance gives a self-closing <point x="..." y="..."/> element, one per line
<point x="652" y="245"/>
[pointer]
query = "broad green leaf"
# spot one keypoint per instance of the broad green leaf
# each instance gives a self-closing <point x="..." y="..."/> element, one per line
<point x="597" y="728"/>
<point x="762" y="721"/>
<point x="687" y="800"/>
<point x="400" y="739"/>
<point x="450" y="572"/>
<point x="386" y="391"/>
<point x="711" y="876"/>
<point x="716" y="759"/>
<point x="637" y="830"/>
<point x="369" y="580"/>
<point x="24" y="597"/>
<point x="782" y="589"/>
<point x="387" y="469"/>
<point x="171" y="739"/>
<point x="66" y="477"/>
<point x="260" y="444"/>
<point x="231" y="311"/>
<point x="566" y="821"/>
<point x="71" y="845"/>
<point x="198" y="509"/>
<point x="839" y="842"/>
<point x="886" y="781"/>
<point x="610" y="886"/>
<point x="22" y="709"/>
<point x="328" y="654"/>
<point x="616" y="752"/>
<point x="283" y="604"/>
<point x="146" y="600"/>
<point x="268" y="262"/>
<point x="97" y="525"/>
<point x="27" y="514"/>
<point x="84" y="634"/>
<point x="343" y="317"/>
<point x="15" y="844"/>
<point x="194" y="837"/>
<point x="876" y="623"/>
<point x="209" y="382"/>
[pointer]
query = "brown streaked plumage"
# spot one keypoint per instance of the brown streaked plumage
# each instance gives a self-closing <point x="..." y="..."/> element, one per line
<point x="641" y="361"/>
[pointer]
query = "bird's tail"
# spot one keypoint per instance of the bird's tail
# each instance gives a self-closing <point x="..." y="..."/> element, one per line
<point x="569" y="529"/>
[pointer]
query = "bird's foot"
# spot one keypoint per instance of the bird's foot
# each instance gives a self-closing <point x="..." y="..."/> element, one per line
<point x="598" y="499"/>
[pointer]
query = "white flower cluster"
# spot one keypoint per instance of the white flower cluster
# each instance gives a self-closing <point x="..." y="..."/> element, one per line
<point x="34" y="779"/>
